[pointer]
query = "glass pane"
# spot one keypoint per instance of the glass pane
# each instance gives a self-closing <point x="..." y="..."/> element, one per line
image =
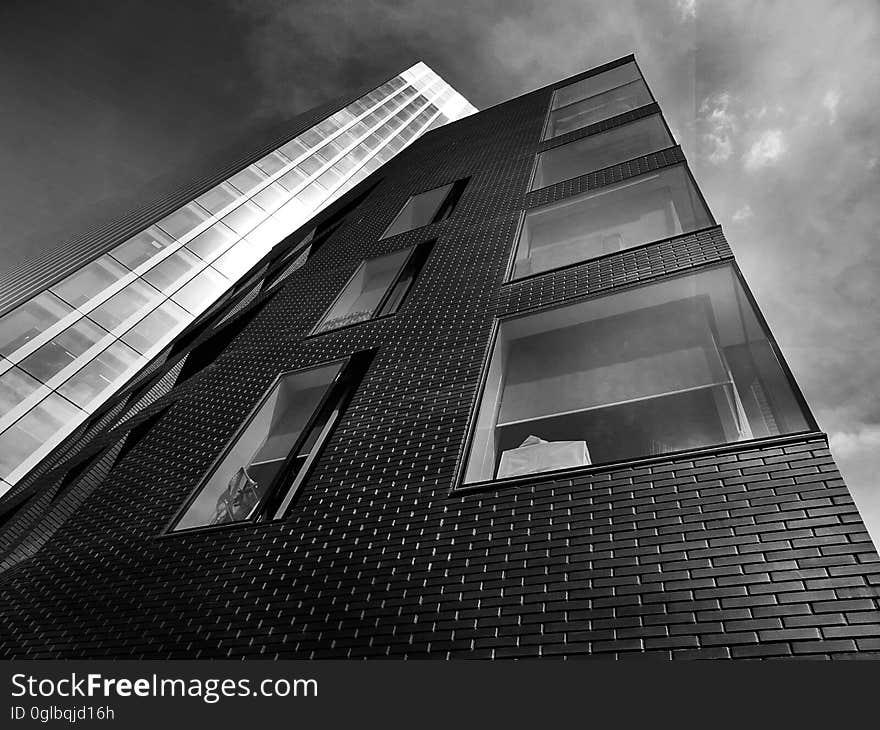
<point x="248" y="179"/>
<point x="184" y="220"/>
<point x="36" y="433"/>
<point x="170" y="274"/>
<point x="16" y="386"/>
<point x="103" y="375"/>
<point x="312" y="196"/>
<point x="64" y="349"/>
<point x="675" y="365"/>
<point x="601" y="150"/>
<point x="292" y="179"/>
<point x="157" y="328"/>
<point x="596" y="85"/>
<point x="272" y="163"/>
<point x="210" y="243"/>
<point x="271" y="197"/>
<point x="202" y="291"/>
<point x="596" y="108"/>
<point x="89" y="281"/>
<point x="126" y="307"/>
<point x="614" y="218"/>
<point x="259" y="452"/>
<point x="329" y="179"/>
<point x="237" y="260"/>
<point x="142" y="247"/>
<point x="219" y="198"/>
<point x="244" y="217"/>
<point x="311" y="165"/>
<point x="293" y="149"/>
<point x="364" y="291"/>
<point x="418" y="211"/>
<point x="30" y="319"/>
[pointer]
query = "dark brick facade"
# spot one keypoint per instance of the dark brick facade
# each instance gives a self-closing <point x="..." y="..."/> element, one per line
<point x="749" y="550"/>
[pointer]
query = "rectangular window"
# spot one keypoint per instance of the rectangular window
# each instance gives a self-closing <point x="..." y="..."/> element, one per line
<point x="141" y="248"/>
<point x="596" y="98"/>
<point x="29" y="320"/>
<point x="376" y="288"/>
<point x="432" y="206"/>
<point x="601" y="150"/>
<point x="268" y="460"/>
<point x="609" y="219"/>
<point x="89" y="281"/>
<point x="680" y="364"/>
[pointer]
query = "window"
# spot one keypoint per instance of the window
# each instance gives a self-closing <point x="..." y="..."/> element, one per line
<point x="268" y="460"/>
<point x="30" y="320"/>
<point x="609" y="219"/>
<point x="141" y="248"/>
<point x="431" y="206"/>
<point x="181" y="222"/>
<point x="74" y="344"/>
<point x="680" y="364"/>
<point x="596" y="98"/>
<point x="90" y="281"/>
<point x="601" y="150"/>
<point x="376" y="288"/>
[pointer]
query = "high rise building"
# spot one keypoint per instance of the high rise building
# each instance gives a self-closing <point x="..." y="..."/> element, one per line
<point x="79" y="323"/>
<point x="516" y="400"/>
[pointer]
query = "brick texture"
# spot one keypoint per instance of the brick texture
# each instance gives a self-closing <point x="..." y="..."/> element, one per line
<point x="748" y="551"/>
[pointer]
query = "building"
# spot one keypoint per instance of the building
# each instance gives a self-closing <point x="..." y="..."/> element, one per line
<point x="79" y="323"/>
<point x="517" y="401"/>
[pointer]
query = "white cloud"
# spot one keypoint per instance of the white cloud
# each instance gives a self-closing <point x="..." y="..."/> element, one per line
<point x="687" y="9"/>
<point x="844" y="443"/>
<point x="768" y="148"/>
<point x="830" y="102"/>
<point x="720" y="125"/>
<point x="743" y="213"/>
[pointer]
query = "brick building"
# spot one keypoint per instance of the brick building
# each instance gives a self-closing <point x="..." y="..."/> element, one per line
<point x="516" y="401"/>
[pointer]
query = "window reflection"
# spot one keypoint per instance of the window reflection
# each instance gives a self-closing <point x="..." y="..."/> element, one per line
<point x="219" y="198"/>
<point x="248" y="179"/>
<point x="126" y="307"/>
<point x="64" y="349"/>
<point x="16" y="386"/>
<point x="89" y="281"/>
<point x="210" y="243"/>
<point x="29" y="320"/>
<point x="170" y="274"/>
<point x="244" y="217"/>
<point x="184" y="220"/>
<point x="102" y="375"/>
<point x="141" y="248"/>
<point x="200" y="293"/>
<point x="157" y="328"/>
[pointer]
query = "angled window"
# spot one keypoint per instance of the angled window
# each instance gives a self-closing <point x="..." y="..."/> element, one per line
<point x="29" y="320"/>
<point x="680" y="364"/>
<point x="377" y="288"/>
<point x="596" y="98"/>
<point x="613" y="218"/>
<point x="268" y="460"/>
<point x="601" y="150"/>
<point x="432" y="206"/>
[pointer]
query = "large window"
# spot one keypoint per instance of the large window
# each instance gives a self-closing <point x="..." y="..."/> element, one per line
<point x="601" y="150"/>
<point x="613" y="218"/>
<point x="596" y="98"/>
<point x="378" y="287"/>
<point x="680" y="364"/>
<point x="268" y="460"/>
<point x="432" y="206"/>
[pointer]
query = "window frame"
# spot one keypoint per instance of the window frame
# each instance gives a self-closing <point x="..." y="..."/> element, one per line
<point x="274" y="505"/>
<point x="444" y="210"/>
<point x="458" y="481"/>
<point x="422" y="250"/>
<point x="509" y="278"/>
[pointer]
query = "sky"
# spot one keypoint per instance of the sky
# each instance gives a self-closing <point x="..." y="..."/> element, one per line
<point x="774" y="102"/>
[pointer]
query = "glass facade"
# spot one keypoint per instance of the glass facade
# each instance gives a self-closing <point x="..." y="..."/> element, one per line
<point x="680" y="364"/>
<point x="66" y="350"/>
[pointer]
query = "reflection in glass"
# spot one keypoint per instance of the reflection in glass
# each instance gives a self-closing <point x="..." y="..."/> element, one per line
<point x="272" y="163"/>
<point x="596" y="108"/>
<point x="202" y="291"/>
<point x="364" y="291"/>
<point x="171" y="273"/>
<point x="142" y="247"/>
<point x="89" y="281"/>
<point x="219" y="198"/>
<point x="679" y="364"/>
<point x="16" y="386"/>
<point x="183" y="220"/>
<point x="241" y="480"/>
<point x="105" y="373"/>
<point x="157" y="328"/>
<point x="236" y="260"/>
<point x="601" y="150"/>
<point x="418" y="211"/>
<point x="271" y="197"/>
<point x="244" y="217"/>
<point x="609" y="219"/>
<point x="213" y="241"/>
<point x="126" y="307"/>
<point x="64" y="349"/>
<point x="596" y="84"/>
<point x="248" y="179"/>
<point x="35" y="434"/>
<point x="29" y="320"/>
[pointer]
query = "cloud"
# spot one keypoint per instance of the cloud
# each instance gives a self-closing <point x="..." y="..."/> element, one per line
<point x="720" y="124"/>
<point x="830" y="102"/>
<point x="846" y="444"/>
<point x="743" y="213"/>
<point x="767" y="149"/>
<point x="687" y="9"/>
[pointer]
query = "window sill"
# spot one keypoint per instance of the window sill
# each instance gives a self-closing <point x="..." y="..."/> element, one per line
<point x="549" y="476"/>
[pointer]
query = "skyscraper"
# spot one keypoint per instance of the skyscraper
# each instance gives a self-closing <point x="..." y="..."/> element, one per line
<point x="516" y="400"/>
<point x="83" y="320"/>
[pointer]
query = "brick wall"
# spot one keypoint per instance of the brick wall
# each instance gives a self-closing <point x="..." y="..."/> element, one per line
<point x="731" y="552"/>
